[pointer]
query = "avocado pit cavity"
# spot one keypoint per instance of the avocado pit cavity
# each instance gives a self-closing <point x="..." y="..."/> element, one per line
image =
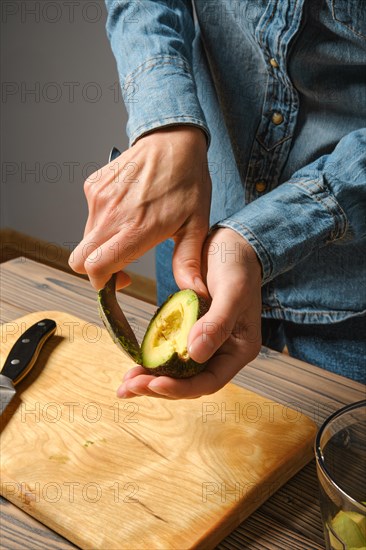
<point x="163" y="349"/>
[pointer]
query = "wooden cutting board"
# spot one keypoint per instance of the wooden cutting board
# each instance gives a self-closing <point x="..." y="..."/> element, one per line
<point x="144" y="473"/>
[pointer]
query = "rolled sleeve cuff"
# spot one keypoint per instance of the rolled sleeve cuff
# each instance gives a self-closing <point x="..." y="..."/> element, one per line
<point x="161" y="92"/>
<point x="288" y="223"/>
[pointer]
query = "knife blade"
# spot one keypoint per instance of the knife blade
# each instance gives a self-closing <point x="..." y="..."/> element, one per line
<point x="112" y="315"/>
<point x="22" y="358"/>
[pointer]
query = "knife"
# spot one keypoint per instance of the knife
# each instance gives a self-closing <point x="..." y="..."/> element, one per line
<point x="22" y="357"/>
<point x="112" y="315"/>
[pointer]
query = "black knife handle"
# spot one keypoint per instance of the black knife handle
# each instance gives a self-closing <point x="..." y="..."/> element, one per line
<point x="26" y="349"/>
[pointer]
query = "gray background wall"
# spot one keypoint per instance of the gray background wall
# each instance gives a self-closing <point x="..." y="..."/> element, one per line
<point x="61" y="112"/>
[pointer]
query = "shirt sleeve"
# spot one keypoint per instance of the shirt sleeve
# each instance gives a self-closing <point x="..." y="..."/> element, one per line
<point x="324" y="202"/>
<point x="152" y="44"/>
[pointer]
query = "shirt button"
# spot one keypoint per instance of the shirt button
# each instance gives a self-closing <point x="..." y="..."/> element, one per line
<point x="260" y="186"/>
<point x="277" y="118"/>
<point x="273" y="63"/>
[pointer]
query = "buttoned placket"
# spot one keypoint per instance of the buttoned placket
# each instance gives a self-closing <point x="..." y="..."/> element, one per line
<point x="275" y="30"/>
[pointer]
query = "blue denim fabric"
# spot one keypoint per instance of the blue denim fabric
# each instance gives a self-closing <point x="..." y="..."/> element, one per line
<point x="339" y="348"/>
<point x="232" y="67"/>
<point x="166" y="284"/>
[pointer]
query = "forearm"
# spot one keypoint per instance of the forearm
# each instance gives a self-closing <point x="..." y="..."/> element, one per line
<point x="152" y="44"/>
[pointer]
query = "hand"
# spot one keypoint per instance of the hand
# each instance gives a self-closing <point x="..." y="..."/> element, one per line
<point x="157" y="189"/>
<point x="230" y="332"/>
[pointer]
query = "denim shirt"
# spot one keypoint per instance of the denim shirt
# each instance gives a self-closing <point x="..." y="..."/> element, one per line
<point x="279" y="87"/>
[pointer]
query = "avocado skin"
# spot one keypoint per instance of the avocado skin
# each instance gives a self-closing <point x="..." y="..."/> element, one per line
<point x="176" y="367"/>
<point x="116" y="323"/>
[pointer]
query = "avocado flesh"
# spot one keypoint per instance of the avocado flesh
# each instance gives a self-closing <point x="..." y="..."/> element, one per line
<point x="164" y="347"/>
<point x="350" y="527"/>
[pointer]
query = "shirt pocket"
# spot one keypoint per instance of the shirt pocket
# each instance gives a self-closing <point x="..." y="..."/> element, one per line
<point x="351" y="14"/>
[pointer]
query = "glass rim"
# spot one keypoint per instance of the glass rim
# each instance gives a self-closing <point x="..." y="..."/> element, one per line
<point x="319" y="455"/>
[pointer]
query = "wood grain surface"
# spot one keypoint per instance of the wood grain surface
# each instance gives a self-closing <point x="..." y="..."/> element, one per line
<point x="144" y="473"/>
<point x="290" y="518"/>
<point x="14" y="244"/>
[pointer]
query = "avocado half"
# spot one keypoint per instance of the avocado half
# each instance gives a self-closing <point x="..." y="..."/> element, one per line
<point x="164" y="347"/>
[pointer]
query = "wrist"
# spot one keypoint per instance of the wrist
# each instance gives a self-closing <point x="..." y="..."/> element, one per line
<point x="236" y="246"/>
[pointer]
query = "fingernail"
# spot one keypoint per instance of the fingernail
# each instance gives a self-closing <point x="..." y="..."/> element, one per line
<point x="201" y="348"/>
<point x="200" y="287"/>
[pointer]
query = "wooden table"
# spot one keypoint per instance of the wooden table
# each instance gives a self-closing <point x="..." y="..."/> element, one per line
<point x="291" y="517"/>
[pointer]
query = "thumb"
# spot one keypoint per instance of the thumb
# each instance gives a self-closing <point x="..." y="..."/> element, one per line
<point x="187" y="262"/>
<point x="211" y="331"/>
